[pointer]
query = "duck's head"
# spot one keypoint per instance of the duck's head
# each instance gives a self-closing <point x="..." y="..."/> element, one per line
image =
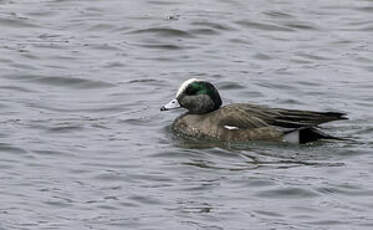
<point x="197" y="96"/>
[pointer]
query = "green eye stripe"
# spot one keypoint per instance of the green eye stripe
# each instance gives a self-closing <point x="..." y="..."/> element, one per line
<point x="199" y="88"/>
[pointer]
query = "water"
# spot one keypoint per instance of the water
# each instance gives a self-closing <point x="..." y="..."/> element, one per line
<point x="84" y="146"/>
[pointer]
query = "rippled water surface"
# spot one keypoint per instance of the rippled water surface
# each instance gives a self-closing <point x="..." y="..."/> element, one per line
<point x="84" y="146"/>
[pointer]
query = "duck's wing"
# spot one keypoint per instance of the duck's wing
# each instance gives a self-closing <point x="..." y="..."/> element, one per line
<point x="234" y="124"/>
<point x="288" y="118"/>
<point x="237" y="117"/>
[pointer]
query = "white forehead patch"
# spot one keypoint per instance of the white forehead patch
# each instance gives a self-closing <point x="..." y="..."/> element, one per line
<point x="185" y="84"/>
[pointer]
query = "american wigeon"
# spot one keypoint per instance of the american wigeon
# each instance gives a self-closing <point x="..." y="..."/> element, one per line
<point x="242" y="122"/>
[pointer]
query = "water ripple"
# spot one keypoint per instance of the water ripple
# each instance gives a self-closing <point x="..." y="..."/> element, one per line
<point x="16" y="23"/>
<point x="288" y="193"/>
<point x="264" y="26"/>
<point x="164" y="32"/>
<point x="70" y="82"/>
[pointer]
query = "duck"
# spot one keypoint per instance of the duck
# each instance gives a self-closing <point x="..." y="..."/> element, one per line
<point x="207" y="119"/>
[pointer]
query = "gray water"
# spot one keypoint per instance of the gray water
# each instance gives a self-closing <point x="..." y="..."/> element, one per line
<point x="83" y="144"/>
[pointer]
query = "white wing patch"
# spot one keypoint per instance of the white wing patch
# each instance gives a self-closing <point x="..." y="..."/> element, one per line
<point x="292" y="137"/>
<point x="231" y="127"/>
<point x="185" y="84"/>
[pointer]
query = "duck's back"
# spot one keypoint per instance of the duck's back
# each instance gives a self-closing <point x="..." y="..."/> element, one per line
<point x="287" y="118"/>
<point x="243" y="122"/>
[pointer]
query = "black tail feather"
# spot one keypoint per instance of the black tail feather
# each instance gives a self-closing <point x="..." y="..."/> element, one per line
<point x="311" y="134"/>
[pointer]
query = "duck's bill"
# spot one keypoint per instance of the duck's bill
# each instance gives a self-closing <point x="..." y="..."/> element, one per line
<point x="173" y="104"/>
